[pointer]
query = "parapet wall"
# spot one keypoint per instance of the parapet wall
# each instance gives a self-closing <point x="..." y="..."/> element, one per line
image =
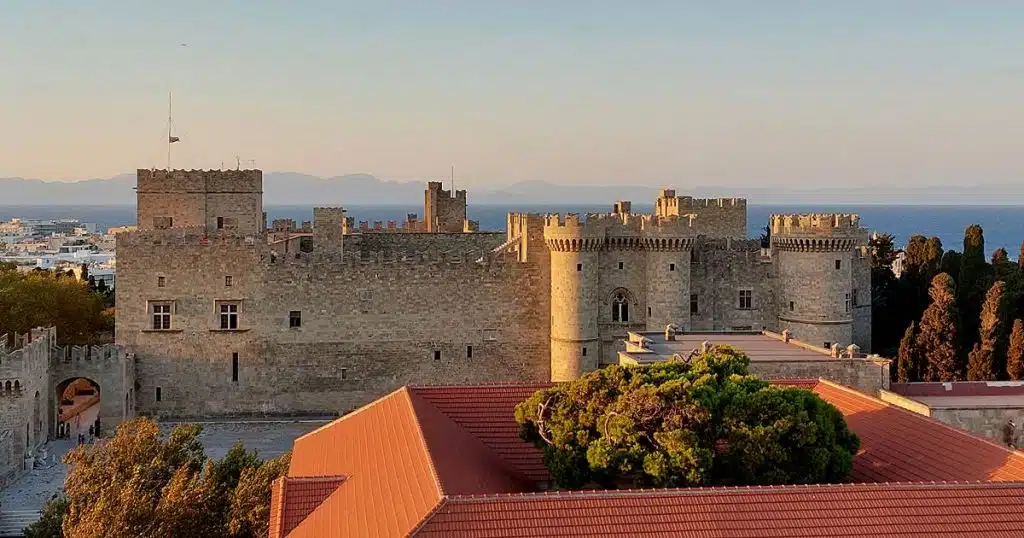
<point x="200" y="181"/>
<point x="817" y="232"/>
<point x="713" y="217"/>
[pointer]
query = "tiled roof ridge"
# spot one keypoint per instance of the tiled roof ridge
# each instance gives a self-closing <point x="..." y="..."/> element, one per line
<point x="674" y="492"/>
<point x="423" y="440"/>
<point x="321" y="478"/>
<point x="347" y="415"/>
<point x="429" y="515"/>
<point x="935" y="421"/>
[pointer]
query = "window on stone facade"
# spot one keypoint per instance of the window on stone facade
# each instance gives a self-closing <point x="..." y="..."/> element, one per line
<point x="161" y="313"/>
<point x="437" y="354"/>
<point x="671" y="267"/>
<point x="220" y="223"/>
<point x="694" y="303"/>
<point x="584" y="351"/>
<point x="693" y="256"/>
<point x="828" y="345"/>
<point x="792" y="306"/>
<point x="228" y="281"/>
<point x="839" y="264"/>
<point x="853" y="297"/>
<point x="229" y="315"/>
<point x="234" y="367"/>
<point x="621" y="265"/>
<point x="344" y="374"/>
<point x="846" y="303"/>
<point x="163" y="223"/>
<point x="158" y="395"/>
<point x="620" y="308"/>
<point x="469" y="352"/>
<point x="295" y="319"/>
<point x="648" y="311"/>
<point x="161" y="281"/>
<point x="579" y="266"/>
<point x="746" y="299"/>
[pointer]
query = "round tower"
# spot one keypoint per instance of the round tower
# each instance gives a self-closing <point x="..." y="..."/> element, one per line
<point x="575" y="343"/>
<point x="814" y="256"/>
<point x="667" y="243"/>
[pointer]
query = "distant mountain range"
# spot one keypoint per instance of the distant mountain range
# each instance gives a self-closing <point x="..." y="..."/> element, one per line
<point x="288" y="188"/>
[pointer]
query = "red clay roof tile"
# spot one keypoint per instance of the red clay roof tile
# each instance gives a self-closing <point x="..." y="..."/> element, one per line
<point x="866" y="510"/>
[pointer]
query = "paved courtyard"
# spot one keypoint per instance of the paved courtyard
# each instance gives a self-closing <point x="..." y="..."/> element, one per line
<point x="270" y="438"/>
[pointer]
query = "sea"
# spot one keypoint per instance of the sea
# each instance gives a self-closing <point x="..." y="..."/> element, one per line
<point x="1003" y="225"/>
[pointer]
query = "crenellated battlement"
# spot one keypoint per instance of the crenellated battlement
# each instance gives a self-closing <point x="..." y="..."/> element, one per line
<point x="817" y="232"/>
<point x="618" y="231"/>
<point x="194" y="236"/>
<point x="24" y="356"/>
<point x="199" y="181"/>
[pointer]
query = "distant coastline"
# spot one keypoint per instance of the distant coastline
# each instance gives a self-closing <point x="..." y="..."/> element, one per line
<point x="1003" y="224"/>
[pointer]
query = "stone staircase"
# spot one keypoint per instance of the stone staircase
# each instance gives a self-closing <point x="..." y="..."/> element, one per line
<point x="13" y="522"/>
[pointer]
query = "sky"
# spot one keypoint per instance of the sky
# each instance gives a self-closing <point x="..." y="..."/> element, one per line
<point x="726" y="93"/>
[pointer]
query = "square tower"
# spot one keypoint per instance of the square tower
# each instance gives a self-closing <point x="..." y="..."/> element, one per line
<point x="228" y="201"/>
<point x="444" y="213"/>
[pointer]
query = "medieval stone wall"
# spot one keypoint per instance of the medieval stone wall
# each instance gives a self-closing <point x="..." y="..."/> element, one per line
<point x="719" y="271"/>
<point x="24" y="398"/>
<point x="444" y="211"/>
<point x="365" y="327"/>
<point x="230" y="199"/>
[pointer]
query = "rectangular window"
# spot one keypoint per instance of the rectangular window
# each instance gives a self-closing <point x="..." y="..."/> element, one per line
<point x="229" y="316"/>
<point x="621" y="265"/>
<point x="234" y="367"/>
<point x="671" y="267"/>
<point x="579" y="266"/>
<point x="791" y="306"/>
<point x="437" y="354"/>
<point x="828" y="345"/>
<point x="344" y="374"/>
<point x="694" y="303"/>
<point x="163" y="223"/>
<point x="469" y="352"/>
<point x="295" y="319"/>
<point x="227" y="281"/>
<point x="158" y="395"/>
<point x="584" y="351"/>
<point x="854" y="297"/>
<point x="161" y="316"/>
<point x="839" y="264"/>
<point x="220" y="223"/>
<point x="648" y="311"/>
<point x="847" y="302"/>
<point x="161" y="281"/>
<point x="746" y="299"/>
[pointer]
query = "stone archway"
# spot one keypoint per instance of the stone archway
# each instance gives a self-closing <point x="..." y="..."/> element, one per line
<point x="78" y="404"/>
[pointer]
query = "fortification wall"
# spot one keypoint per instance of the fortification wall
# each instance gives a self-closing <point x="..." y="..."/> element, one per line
<point x="861" y="297"/>
<point x="24" y="399"/>
<point x="364" y="327"/>
<point x="109" y="367"/>
<point x="368" y="245"/>
<point x="228" y="199"/>
<point x="719" y="271"/>
<point x="716" y="218"/>
<point x="444" y="211"/>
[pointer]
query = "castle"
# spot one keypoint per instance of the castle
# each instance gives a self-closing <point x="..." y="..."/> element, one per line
<point x="227" y="316"/>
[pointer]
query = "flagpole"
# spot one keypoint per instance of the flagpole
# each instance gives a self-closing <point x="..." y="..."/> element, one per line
<point x="168" y="131"/>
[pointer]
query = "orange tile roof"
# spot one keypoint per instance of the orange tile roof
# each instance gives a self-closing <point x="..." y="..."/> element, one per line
<point x="863" y="510"/>
<point x="304" y="496"/>
<point x="413" y="459"/>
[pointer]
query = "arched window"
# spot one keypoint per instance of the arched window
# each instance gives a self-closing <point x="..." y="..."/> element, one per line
<point x="620" y="308"/>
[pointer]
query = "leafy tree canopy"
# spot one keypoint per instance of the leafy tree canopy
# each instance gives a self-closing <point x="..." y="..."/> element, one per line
<point x="138" y="484"/>
<point x="43" y="299"/>
<point x="677" y="424"/>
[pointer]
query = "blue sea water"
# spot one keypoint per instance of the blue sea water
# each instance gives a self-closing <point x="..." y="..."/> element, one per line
<point x="1003" y="225"/>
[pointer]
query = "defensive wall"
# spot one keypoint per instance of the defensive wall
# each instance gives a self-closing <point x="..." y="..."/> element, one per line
<point x="214" y="199"/>
<point x="366" y="324"/>
<point x="34" y="370"/>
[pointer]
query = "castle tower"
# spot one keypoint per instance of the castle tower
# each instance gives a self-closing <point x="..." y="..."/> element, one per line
<point x="227" y="201"/>
<point x="575" y="340"/>
<point x="816" y="257"/>
<point x="444" y="211"/>
<point x="668" y="242"/>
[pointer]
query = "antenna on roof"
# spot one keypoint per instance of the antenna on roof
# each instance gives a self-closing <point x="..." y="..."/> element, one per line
<point x="453" y="180"/>
<point x="238" y="163"/>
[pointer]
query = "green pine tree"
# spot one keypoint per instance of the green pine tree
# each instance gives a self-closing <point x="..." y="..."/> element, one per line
<point x="936" y="341"/>
<point x="906" y="365"/>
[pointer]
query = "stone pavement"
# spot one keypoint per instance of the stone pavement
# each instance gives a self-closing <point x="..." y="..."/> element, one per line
<point x="269" y="438"/>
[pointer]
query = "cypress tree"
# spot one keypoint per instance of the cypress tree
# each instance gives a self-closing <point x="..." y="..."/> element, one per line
<point x="906" y="366"/>
<point x="1002" y="268"/>
<point x="1015" y="357"/>
<point x="1020" y="257"/>
<point x="980" y="365"/>
<point x="970" y="284"/>
<point x="936" y="341"/>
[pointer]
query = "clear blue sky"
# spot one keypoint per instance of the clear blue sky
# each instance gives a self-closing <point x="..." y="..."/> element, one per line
<point x="762" y="92"/>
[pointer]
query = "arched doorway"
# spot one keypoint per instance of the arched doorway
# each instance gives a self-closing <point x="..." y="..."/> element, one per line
<point x="78" y="407"/>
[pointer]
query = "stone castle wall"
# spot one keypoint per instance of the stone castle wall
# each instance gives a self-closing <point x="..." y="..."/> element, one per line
<point x="445" y="211"/>
<point x="366" y="327"/>
<point x="198" y="198"/>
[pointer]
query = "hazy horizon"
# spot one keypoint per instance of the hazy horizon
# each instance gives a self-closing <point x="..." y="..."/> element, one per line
<point x="789" y="94"/>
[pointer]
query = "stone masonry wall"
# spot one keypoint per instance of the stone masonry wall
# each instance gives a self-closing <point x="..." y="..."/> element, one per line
<point x="869" y="376"/>
<point x="444" y="211"/>
<point x="24" y="399"/>
<point x="196" y="198"/>
<point x="366" y="328"/>
<point x="719" y="270"/>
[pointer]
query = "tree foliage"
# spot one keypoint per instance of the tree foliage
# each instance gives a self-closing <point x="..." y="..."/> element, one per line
<point x="907" y="365"/>
<point x="981" y="361"/>
<point x="1015" y="356"/>
<point x="43" y="299"/>
<point x="679" y="424"/>
<point x="136" y="484"/>
<point x="936" y="343"/>
<point x="883" y="251"/>
<point x="49" y="524"/>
